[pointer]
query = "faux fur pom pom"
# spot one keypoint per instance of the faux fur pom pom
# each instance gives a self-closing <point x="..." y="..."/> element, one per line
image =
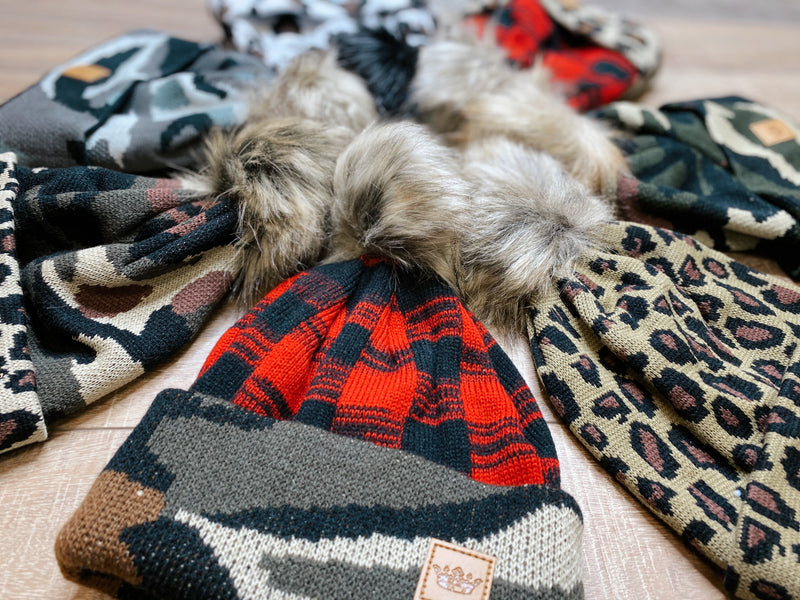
<point x="466" y="91"/>
<point x="399" y="195"/>
<point x="280" y="175"/>
<point x="314" y="86"/>
<point x="498" y="221"/>
<point x="529" y="224"/>
<point x="278" y="168"/>
<point x="490" y="213"/>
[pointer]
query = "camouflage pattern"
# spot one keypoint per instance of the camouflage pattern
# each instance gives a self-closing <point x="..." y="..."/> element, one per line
<point x="140" y="102"/>
<point x="277" y="31"/>
<point x="208" y="500"/>
<point x="725" y="170"/>
<point x="104" y="275"/>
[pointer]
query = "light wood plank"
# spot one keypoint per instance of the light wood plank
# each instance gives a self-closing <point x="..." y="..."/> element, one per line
<point x="731" y="58"/>
<point x="41" y="487"/>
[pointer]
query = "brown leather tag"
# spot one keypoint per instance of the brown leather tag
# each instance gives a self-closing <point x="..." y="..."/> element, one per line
<point x="87" y="73"/>
<point x="772" y="131"/>
<point x="452" y="572"/>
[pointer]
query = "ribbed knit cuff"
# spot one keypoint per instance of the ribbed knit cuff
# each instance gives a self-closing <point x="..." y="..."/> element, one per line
<point x="208" y="500"/>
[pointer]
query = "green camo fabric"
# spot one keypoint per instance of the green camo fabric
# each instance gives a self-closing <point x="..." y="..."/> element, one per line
<point x="724" y="170"/>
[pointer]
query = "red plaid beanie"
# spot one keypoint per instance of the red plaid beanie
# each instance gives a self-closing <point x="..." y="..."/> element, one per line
<point x="595" y="56"/>
<point x="363" y="349"/>
<point x="238" y="488"/>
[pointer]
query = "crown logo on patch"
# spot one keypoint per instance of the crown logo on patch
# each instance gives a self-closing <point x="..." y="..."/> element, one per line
<point x="455" y="581"/>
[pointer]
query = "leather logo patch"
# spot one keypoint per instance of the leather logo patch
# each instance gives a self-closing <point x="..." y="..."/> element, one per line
<point x="772" y="131"/>
<point x="452" y="572"/>
<point x="87" y="73"/>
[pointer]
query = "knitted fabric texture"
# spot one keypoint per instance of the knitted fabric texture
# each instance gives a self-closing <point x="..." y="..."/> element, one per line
<point x="140" y="102"/>
<point x="212" y="497"/>
<point x="640" y="45"/>
<point x="277" y="32"/>
<point x="594" y="57"/>
<point x="104" y="275"/>
<point x="361" y="349"/>
<point x="724" y="170"/>
<point x="208" y="500"/>
<point x="678" y="369"/>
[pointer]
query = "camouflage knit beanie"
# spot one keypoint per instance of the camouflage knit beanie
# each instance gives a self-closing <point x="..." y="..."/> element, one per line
<point x="344" y="430"/>
<point x="677" y="368"/>
<point x="723" y="170"/>
<point x="140" y="102"/>
<point x="104" y="275"/>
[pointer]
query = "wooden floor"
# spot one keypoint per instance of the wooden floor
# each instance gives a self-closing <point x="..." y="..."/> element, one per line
<point x="711" y="48"/>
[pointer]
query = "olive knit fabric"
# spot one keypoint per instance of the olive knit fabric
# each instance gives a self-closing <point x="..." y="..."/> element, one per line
<point x="723" y="170"/>
<point x="392" y="401"/>
<point x="678" y="369"/>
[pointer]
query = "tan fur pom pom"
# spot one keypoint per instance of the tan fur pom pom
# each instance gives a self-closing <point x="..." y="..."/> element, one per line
<point x="280" y="175"/>
<point x="530" y="222"/>
<point x="278" y="168"/>
<point x="399" y="195"/>
<point x="467" y="91"/>
<point x="313" y="86"/>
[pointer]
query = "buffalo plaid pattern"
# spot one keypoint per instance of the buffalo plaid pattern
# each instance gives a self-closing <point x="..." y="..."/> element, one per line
<point x="364" y="349"/>
<point x="589" y="75"/>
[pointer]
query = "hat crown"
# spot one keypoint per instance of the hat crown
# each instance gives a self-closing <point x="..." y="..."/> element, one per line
<point x="366" y="349"/>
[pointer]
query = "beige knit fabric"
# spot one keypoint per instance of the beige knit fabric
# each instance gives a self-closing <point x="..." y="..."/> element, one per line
<point x="677" y="368"/>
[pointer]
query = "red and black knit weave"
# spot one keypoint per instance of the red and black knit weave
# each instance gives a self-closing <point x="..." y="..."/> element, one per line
<point x="589" y="75"/>
<point x="366" y="350"/>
